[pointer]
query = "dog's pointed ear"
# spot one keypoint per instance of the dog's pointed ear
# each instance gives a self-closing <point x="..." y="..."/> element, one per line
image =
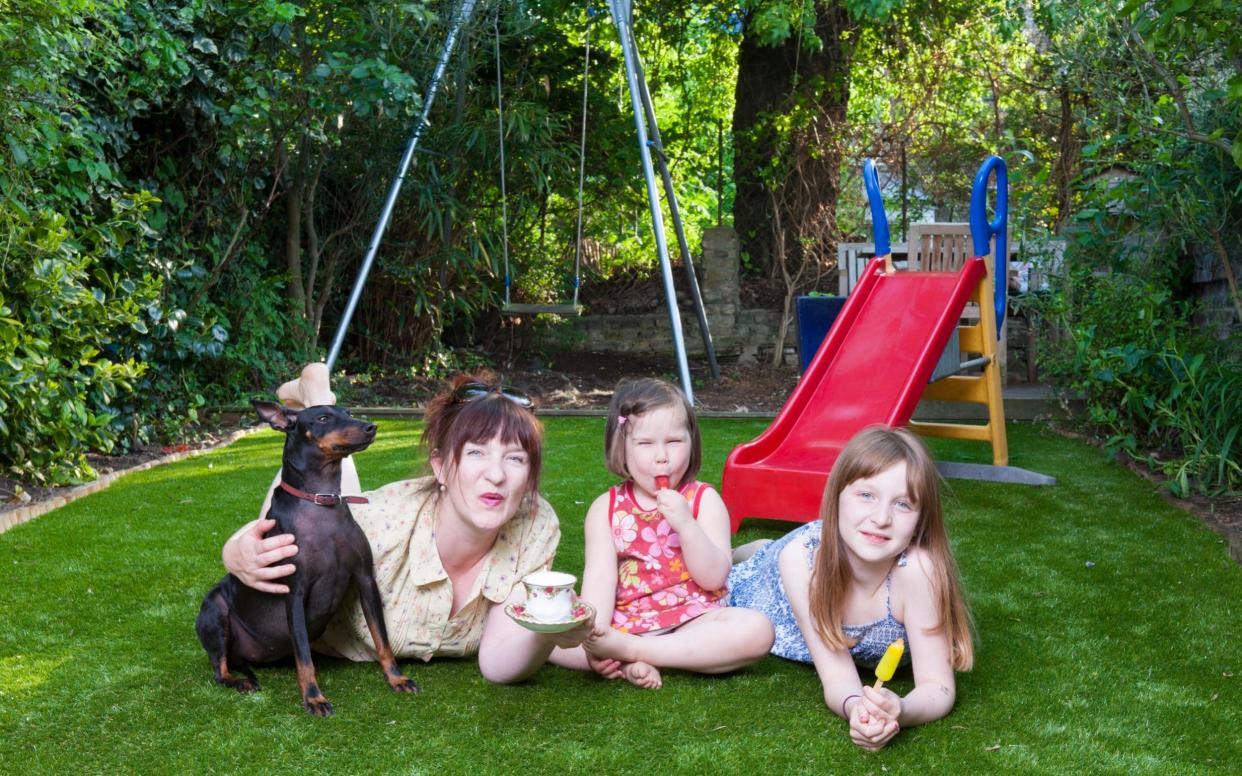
<point x="278" y="417"/>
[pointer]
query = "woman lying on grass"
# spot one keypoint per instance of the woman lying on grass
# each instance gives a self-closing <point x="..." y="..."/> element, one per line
<point x="448" y="548"/>
<point x="878" y="556"/>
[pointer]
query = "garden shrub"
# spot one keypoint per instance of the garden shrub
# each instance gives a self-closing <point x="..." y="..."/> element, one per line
<point x="1158" y="186"/>
<point x="1156" y="387"/>
<point x="60" y="313"/>
<point x="90" y="318"/>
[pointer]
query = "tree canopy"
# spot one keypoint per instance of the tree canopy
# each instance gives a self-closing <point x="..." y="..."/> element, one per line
<point x="188" y="188"/>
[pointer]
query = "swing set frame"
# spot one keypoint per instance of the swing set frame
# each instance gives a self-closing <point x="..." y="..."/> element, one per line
<point x="651" y="152"/>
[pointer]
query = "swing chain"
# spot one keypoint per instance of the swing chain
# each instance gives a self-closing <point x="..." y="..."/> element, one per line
<point x="500" y="118"/>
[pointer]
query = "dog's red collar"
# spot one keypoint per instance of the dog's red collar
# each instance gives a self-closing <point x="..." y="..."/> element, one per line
<point x="322" y="499"/>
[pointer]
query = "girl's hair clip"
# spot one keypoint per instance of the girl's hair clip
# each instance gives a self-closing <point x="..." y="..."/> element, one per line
<point x="621" y="420"/>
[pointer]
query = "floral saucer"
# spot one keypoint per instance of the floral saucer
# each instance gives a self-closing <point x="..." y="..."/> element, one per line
<point x="581" y="612"/>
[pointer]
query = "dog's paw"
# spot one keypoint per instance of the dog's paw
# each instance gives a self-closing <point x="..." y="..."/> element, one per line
<point x="318" y="706"/>
<point x="246" y="685"/>
<point x="403" y="684"/>
<point x="243" y="684"/>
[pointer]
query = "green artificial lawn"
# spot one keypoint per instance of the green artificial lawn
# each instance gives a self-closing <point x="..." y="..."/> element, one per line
<point x="1107" y="621"/>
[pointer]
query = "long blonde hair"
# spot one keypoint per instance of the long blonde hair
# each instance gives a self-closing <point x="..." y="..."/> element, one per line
<point x="871" y="451"/>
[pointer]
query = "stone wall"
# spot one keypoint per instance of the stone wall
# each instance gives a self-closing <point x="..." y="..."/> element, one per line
<point x="746" y="332"/>
<point x="735" y="332"/>
<point x="1020" y="353"/>
<point x="1217" y="311"/>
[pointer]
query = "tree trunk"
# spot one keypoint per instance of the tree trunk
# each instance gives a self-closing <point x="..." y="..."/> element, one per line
<point x="776" y="81"/>
<point x="1067" y="158"/>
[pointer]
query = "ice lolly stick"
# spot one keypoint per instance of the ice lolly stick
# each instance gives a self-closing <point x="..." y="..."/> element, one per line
<point x="888" y="663"/>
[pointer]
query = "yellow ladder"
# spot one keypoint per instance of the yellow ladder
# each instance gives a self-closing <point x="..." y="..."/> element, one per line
<point x="985" y="389"/>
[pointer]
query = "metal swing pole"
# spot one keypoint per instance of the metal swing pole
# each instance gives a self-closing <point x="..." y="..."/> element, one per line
<point x="670" y="194"/>
<point x="621" y="14"/>
<point x="463" y="15"/>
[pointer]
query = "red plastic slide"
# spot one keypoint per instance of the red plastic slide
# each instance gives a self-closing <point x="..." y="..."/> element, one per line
<point x="871" y="368"/>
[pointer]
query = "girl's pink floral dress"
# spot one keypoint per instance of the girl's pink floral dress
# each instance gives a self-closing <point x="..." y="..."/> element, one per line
<point x="654" y="589"/>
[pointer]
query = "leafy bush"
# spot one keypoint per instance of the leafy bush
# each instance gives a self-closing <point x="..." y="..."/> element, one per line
<point x="1159" y="390"/>
<point x="59" y="313"/>
<point x="93" y="340"/>
<point x="1158" y="187"/>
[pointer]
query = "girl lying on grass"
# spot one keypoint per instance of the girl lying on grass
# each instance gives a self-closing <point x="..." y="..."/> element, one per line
<point x="657" y="552"/>
<point x="874" y="568"/>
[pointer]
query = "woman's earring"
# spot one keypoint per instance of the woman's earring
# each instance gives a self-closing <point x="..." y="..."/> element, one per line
<point x="441" y="484"/>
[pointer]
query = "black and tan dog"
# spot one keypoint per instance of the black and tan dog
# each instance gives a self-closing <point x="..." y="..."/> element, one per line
<point x="239" y="625"/>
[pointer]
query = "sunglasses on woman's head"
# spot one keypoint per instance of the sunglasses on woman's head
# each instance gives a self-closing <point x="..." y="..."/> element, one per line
<point x="472" y="391"/>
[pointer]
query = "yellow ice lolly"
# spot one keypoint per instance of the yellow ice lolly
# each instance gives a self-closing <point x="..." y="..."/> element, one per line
<point x="888" y="663"/>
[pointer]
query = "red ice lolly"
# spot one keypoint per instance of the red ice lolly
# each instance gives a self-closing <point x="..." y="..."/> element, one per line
<point x="661" y="481"/>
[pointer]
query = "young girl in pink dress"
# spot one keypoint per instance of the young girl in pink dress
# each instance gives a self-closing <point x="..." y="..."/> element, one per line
<point x="657" y="551"/>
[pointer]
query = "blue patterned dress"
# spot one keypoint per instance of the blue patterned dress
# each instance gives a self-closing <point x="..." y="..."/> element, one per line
<point x="755" y="583"/>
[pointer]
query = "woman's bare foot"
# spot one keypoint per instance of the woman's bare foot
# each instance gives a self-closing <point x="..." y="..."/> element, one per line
<point x="642" y="674"/>
<point x="311" y="389"/>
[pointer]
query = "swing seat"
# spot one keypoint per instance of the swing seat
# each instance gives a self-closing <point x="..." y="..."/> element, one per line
<point x="531" y="309"/>
<point x="569" y="308"/>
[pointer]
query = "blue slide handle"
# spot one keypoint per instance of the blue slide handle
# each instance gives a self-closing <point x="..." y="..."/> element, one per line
<point x="879" y="220"/>
<point x="982" y="231"/>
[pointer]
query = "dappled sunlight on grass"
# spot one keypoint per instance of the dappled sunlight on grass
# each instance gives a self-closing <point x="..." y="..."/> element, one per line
<point x="24" y="673"/>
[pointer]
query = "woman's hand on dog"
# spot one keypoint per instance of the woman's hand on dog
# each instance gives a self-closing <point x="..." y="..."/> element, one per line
<point x="249" y="556"/>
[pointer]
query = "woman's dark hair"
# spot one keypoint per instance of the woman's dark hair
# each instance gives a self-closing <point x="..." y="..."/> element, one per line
<point x="450" y="423"/>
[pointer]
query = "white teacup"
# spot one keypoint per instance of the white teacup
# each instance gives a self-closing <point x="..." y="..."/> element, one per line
<point x="549" y="595"/>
